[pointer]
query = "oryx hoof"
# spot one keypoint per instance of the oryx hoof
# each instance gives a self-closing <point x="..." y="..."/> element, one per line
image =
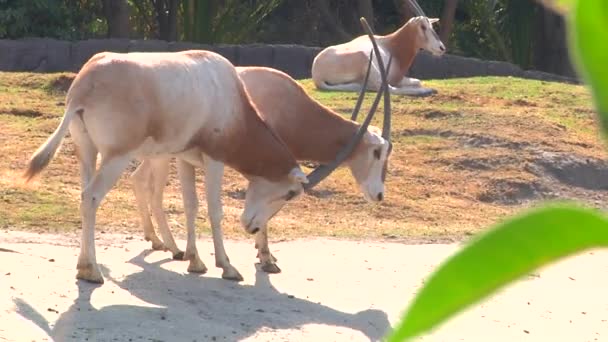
<point x="427" y="92"/>
<point x="231" y="273"/>
<point x="271" y="267"/>
<point x="197" y="266"/>
<point x="90" y="273"/>
<point x="270" y="256"/>
<point x="158" y="246"/>
<point x="179" y="256"/>
<point x="273" y="258"/>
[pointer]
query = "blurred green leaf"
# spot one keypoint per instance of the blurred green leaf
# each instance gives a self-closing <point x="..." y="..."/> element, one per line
<point x="588" y="39"/>
<point x="498" y="257"/>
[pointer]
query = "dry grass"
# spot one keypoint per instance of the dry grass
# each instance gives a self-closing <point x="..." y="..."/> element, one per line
<point x="462" y="160"/>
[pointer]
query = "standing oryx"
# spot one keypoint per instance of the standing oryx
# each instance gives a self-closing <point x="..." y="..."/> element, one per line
<point x="138" y="105"/>
<point x="343" y="67"/>
<point x="310" y="130"/>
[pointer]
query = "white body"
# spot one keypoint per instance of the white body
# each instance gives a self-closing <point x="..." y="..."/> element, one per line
<point x="343" y="67"/>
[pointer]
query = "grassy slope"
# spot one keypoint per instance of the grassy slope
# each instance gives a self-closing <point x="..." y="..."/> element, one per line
<point x="459" y="157"/>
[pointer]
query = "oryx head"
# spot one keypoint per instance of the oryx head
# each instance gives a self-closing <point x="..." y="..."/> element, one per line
<point x="369" y="163"/>
<point x="426" y="37"/>
<point x="368" y="151"/>
<point x="264" y="198"/>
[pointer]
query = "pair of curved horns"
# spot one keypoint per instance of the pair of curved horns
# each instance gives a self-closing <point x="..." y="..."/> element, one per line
<point x="414" y="5"/>
<point x="322" y="171"/>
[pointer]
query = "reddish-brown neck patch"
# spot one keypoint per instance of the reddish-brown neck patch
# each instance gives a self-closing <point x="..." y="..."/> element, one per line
<point x="403" y="45"/>
<point x="317" y="135"/>
<point x="250" y="146"/>
<point x="311" y="131"/>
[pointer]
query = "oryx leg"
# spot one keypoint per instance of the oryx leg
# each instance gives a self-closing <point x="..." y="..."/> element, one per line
<point x="266" y="259"/>
<point x="160" y="172"/>
<point x="187" y="179"/>
<point x="411" y="87"/>
<point x="407" y="86"/>
<point x="258" y="237"/>
<point x="85" y="151"/>
<point x="214" y="172"/>
<point x="142" y="182"/>
<point x="412" y="91"/>
<point x="409" y="82"/>
<point x="105" y="178"/>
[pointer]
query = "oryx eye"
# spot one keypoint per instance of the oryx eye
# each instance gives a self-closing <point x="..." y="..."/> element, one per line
<point x="423" y="28"/>
<point x="377" y="153"/>
<point x="290" y="195"/>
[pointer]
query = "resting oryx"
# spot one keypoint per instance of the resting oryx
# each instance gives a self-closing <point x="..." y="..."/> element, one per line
<point x="138" y="105"/>
<point x="311" y="131"/>
<point x="343" y="67"/>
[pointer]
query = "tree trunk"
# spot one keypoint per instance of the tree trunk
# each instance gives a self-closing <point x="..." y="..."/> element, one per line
<point x="117" y="16"/>
<point x="447" y="20"/>
<point x="331" y="21"/>
<point x="161" y="18"/>
<point x="366" y="10"/>
<point x="550" y="45"/>
<point x="166" y="15"/>
<point x="172" y="21"/>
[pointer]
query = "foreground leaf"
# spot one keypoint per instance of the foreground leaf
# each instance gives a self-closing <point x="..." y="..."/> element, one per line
<point x="498" y="257"/>
<point x="588" y="35"/>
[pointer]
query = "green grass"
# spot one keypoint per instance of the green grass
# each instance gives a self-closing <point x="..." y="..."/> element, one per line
<point x="426" y="199"/>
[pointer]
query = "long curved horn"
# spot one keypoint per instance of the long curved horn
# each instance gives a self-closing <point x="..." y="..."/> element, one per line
<point x="321" y="172"/>
<point x="357" y="108"/>
<point x="416" y="7"/>
<point x="386" y="125"/>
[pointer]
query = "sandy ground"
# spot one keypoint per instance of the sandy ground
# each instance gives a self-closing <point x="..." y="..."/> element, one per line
<point x="329" y="290"/>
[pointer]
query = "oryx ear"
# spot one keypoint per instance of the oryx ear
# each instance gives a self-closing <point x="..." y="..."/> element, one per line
<point x="433" y="20"/>
<point x="297" y="175"/>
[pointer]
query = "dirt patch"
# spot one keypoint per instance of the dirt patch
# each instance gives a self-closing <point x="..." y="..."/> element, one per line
<point x="572" y="170"/>
<point x="62" y="83"/>
<point x="437" y="114"/>
<point x="442" y="98"/>
<point x="30" y="113"/>
<point x="469" y="139"/>
<point x="523" y="103"/>
<point x="512" y="192"/>
<point x="484" y="164"/>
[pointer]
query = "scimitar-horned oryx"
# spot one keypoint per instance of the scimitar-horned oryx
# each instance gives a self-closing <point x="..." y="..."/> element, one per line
<point x="342" y="67"/>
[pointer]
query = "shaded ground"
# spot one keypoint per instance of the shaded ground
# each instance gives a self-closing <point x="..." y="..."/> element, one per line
<point x="344" y="291"/>
<point x="481" y="149"/>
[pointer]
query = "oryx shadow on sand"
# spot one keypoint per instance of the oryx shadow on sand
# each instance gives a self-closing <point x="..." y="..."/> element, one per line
<point x="185" y="307"/>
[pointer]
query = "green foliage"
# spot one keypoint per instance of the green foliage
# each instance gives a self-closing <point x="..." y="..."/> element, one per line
<point x="588" y="36"/>
<point x="499" y="30"/>
<point x="56" y="19"/>
<point x="538" y="238"/>
<point x="231" y="22"/>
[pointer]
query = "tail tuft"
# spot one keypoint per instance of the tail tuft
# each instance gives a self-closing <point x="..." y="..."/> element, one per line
<point x="42" y="157"/>
<point x="37" y="163"/>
